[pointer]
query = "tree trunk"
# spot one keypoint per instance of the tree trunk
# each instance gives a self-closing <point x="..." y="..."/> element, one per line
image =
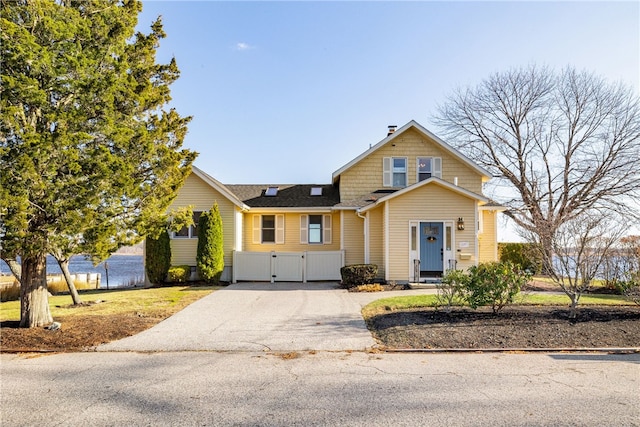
<point x="14" y="266"/>
<point x="34" y="296"/>
<point x="573" y="308"/>
<point x="64" y="266"/>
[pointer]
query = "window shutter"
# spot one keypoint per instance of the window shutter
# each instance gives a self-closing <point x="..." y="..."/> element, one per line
<point x="257" y="229"/>
<point x="386" y="172"/>
<point x="280" y="229"/>
<point x="437" y="167"/>
<point x="326" y="229"/>
<point x="304" y="233"/>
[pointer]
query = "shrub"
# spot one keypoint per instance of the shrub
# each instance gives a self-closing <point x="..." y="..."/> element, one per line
<point x="358" y="274"/>
<point x="179" y="273"/>
<point x="11" y="292"/>
<point x="157" y="257"/>
<point x="631" y="288"/>
<point x="523" y="255"/>
<point x="451" y="290"/>
<point x="495" y="284"/>
<point x="210" y="255"/>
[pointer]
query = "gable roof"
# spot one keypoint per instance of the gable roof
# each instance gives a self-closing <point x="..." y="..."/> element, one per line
<point x="428" y="181"/>
<point x="218" y="186"/>
<point x="417" y="126"/>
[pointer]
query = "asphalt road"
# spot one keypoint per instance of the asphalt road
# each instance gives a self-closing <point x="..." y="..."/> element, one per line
<point x="319" y="389"/>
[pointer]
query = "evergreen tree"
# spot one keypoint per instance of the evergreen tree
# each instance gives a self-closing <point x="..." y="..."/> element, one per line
<point x="157" y="260"/>
<point x="210" y="256"/>
<point x="87" y="152"/>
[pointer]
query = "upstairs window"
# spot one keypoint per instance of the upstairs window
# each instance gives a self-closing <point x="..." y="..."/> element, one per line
<point x="190" y="232"/>
<point x="316" y="191"/>
<point x="428" y="167"/>
<point x="394" y="172"/>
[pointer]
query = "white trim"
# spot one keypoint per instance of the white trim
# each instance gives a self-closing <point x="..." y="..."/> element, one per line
<point x="218" y="186"/>
<point x="432" y="180"/>
<point x="238" y="226"/>
<point x="367" y="249"/>
<point x="415" y="125"/>
<point x="475" y="236"/>
<point x="342" y="231"/>
<point x="386" y="240"/>
<point x="272" y="210"/>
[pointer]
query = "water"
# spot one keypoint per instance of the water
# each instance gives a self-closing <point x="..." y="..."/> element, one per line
<point x="123" y="269"/>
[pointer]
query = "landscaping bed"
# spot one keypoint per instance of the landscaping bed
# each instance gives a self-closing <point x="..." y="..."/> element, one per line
<point x="518" y="326"/>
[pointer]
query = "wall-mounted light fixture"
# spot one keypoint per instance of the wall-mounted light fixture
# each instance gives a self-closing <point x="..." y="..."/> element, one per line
<point x="460" y="223"/>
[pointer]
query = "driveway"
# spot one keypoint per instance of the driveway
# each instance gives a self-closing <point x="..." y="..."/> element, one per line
<point x="264" y="317"/>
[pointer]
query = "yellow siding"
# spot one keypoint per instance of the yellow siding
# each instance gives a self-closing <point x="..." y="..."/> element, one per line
<point x="353" y="238"/>
<point x="291" y="233"/>
<point x="487" y="240"/>
<point x="366" y="176"/>
<point x="376" y="239"/>
<point x="201" y="196"/>
<point x="428" y="203"/>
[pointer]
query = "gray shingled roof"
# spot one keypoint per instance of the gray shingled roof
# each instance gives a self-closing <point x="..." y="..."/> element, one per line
<point x="289" y="195"/>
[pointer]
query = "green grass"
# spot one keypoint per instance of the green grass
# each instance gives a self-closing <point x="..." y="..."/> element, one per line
<point x="152" y="302"/>
<point x="419" y="301"/>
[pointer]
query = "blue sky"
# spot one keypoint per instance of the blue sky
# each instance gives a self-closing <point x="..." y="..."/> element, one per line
<point x="288" y="92"/>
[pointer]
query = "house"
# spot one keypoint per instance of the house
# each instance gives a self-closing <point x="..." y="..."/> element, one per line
<point x="411" y="204"/>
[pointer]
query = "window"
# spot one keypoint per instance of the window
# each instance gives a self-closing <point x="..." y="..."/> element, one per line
<point x="428" y="167"/>
<point x="394" y="172"/>
<point x="190" y="232"/>
<point x="399" y="172"/>
<point x="268" y="229"/>
<point x="316" y="191"/>
<point x="315" y="229"/>
<point x="271" y="191"/>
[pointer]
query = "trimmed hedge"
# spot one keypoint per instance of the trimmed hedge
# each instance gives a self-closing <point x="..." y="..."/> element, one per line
<point x="358" y="274"/>
<point x="179" y="273"/>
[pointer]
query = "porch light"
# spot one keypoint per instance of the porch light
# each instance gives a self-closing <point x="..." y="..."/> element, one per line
<point x="460" y="223"/>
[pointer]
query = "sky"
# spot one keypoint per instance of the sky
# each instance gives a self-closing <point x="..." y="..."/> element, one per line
<point x="290" y="91"/>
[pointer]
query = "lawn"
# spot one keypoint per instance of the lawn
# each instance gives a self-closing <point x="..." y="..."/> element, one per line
<point x="104" y="316"/>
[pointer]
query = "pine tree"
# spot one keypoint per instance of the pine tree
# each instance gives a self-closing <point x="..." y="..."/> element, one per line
<point x="87" y="151"/>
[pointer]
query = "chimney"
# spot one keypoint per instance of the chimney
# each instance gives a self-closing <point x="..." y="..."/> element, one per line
<point x="392" y="129"/>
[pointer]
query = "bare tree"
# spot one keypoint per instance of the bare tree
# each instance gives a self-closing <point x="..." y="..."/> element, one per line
<point x="565" y="144"/>
<point x="581" y="247"/>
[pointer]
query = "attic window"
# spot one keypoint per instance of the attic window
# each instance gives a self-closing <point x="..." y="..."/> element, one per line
<point x="316" y="191"/>
<point x="271" y="191"/>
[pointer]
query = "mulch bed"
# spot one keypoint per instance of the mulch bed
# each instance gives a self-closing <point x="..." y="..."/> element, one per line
<point x="513" y="327"/>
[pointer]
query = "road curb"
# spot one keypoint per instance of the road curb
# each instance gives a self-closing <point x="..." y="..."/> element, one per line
<point x="611" y="350"/>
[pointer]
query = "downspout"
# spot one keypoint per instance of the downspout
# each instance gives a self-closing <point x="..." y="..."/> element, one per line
<point x="366" y="235"/>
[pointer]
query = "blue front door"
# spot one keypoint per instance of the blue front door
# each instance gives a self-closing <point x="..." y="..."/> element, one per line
<point x="431" y="248"/>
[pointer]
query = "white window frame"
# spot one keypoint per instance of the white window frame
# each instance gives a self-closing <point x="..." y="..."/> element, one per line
<point x="388" y="171"/>
<point x="325" y="230"/>
<point x="435" y="168"/>
<point x="191" y="230"/>
<point x="257" y="235"/>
